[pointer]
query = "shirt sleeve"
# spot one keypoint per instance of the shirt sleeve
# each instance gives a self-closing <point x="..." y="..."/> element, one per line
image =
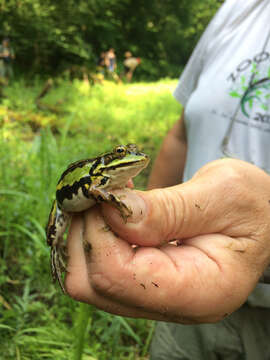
<point x="189" y="78"/>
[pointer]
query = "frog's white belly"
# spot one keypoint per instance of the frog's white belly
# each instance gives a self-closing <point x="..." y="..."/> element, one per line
<point x="78" y="203"/>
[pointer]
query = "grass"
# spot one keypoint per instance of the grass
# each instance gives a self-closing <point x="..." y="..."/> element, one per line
<point x="36" y="321"/>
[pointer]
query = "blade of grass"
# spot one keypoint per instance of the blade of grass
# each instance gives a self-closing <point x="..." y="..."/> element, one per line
<point x="6" y="327"/>
<point x="17" y="193"/>
<point x="148" y="339"/>
<point x="40" y="228"/>
<point x="84" y="318"/>
<point x="129" y="330"/>
<point x="32" y="236"/>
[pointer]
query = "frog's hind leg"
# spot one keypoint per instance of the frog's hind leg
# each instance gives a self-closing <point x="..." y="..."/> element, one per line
<point x="58" y="222"/>
<point x="57" y="267"/>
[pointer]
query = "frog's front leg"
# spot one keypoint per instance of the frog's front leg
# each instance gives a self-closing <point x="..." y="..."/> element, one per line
<point x="57" y="224"/>
<point x="101" y="195"/>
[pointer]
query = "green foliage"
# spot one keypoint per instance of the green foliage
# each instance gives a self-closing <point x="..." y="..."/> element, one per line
<point x="50" y="36"/>
<point x="36" y="321"/>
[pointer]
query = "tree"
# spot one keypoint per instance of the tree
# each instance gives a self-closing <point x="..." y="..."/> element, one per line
<point x="49" y="35"/>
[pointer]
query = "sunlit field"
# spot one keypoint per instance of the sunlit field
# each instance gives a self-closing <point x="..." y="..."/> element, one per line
<point x="77" y="120"/>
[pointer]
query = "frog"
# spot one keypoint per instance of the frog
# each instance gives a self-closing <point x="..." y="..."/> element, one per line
<point x="84" y="184"/>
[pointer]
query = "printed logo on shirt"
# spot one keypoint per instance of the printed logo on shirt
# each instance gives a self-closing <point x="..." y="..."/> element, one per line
<point x="250" y="83"/>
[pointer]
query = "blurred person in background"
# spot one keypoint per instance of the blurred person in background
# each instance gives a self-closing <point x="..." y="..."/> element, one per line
<point x="130" y="64"/>
<point x="7" y="56"/>
<point x="111" y="64"/>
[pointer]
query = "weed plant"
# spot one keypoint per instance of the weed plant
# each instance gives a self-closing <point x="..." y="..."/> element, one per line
<point x="36" y="320"/>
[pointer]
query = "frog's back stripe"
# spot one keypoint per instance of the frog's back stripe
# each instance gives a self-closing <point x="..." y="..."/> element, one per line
<point x="102" y="161"/>
<point x="94" y="166"/>
<point x="75" y="165"/>
<point x="66" y="192"/>
<point x="80" y="163"/>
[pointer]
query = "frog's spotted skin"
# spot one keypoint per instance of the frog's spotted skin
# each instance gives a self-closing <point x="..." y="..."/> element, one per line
<point x="82" y="185"/>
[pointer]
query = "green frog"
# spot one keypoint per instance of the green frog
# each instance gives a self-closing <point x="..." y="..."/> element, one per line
<point x="84" y="184"/>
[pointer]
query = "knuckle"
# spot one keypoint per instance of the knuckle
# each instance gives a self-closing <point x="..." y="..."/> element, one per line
<point x="232" y="180"/>
<point x="172" y="212"/>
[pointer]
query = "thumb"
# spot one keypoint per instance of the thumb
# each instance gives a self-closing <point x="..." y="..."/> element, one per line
<point x="216" y="200"/>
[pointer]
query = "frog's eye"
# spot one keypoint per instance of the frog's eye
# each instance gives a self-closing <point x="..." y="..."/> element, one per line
<point x="120" y="150"/>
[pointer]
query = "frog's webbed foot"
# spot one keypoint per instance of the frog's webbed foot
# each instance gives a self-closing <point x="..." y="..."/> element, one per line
<point x="102" y="195"/>
<point x="124" y="210"/>
<point x="58" y="264"/>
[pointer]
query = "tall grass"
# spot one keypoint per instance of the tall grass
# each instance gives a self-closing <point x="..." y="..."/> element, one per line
<point x="36" y="321"/>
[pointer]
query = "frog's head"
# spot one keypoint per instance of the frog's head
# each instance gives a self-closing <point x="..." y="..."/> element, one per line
<point x="122" y="164"/>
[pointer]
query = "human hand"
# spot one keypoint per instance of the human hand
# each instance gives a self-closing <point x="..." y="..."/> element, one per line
<point x="221" y="218"/>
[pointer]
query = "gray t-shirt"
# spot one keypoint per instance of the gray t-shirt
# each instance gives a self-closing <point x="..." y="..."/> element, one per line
<point x="226" y="83"/>
<point x="214" y="87"/>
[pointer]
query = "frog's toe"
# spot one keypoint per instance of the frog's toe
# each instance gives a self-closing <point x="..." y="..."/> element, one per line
<point x="125" y="211"/>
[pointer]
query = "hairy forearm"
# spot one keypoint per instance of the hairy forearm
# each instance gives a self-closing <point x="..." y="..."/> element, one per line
<point x="169" y="165"/>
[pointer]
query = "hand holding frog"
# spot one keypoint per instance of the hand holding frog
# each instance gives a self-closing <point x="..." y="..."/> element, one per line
<point x="221" y="219"/>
